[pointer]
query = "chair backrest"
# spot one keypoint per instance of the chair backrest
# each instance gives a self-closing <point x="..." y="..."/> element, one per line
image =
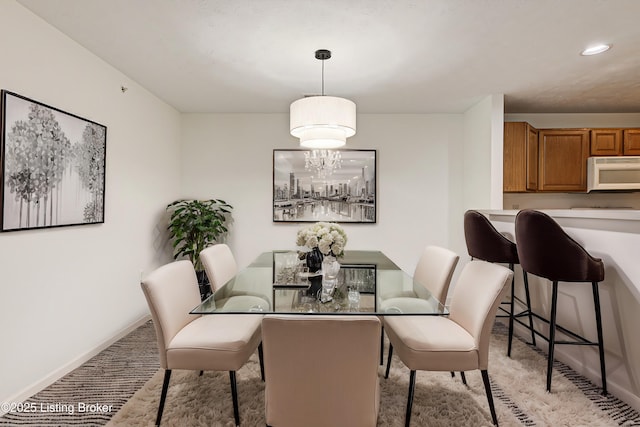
<point x="321" y="370"/>
<point x="219" y="264"/>
<point x="435" y="269"/>
<point x="486" y="243"/>
<point x="475" y="299"/>
<point x="547" y="251"/>
<point x="171" y="292"/>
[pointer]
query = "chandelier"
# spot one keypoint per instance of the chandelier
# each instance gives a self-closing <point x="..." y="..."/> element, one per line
<point x="322" y="122"/>
<point x="322" y="162"/>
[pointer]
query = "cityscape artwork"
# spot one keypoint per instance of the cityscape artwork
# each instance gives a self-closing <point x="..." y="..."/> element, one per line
<point x="52" y="166"/>
<point x="324" y="185"/>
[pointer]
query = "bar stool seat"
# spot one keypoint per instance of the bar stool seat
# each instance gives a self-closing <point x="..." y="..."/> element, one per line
<point x="486" y="243"/>
<point x="546" y="251"/>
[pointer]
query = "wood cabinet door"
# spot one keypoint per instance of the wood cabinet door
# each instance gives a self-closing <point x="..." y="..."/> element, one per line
<point x="520" y="157"/>
<point x="631" y="142"/>
<point x="532" y="158"/>
<point x="606" y="142"/>
<point x="563" y="157"/>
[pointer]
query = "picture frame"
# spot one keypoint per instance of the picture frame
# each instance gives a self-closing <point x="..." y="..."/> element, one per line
<point x="52" y="166"/>
<point x="324" y="185"/>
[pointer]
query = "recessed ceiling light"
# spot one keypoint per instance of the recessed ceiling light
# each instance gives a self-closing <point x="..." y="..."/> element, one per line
<point x="596" y="49"/>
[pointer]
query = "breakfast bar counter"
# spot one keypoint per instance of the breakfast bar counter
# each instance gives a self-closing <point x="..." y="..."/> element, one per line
<point x="614" y="236"/>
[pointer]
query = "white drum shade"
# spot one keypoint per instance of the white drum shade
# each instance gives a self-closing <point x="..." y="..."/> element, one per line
<point x="323" y="121"/>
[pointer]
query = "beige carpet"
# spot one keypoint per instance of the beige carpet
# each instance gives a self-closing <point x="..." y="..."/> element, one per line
<point x="518" y="385"/>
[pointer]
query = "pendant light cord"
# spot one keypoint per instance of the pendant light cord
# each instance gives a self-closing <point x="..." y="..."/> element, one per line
<point x="323" y="77"/>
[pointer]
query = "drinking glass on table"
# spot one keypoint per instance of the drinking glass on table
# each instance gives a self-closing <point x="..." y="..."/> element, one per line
<point x="353" y="296"/>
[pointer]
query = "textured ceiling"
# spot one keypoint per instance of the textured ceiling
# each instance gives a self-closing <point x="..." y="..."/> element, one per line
<point x="389" y="56"/>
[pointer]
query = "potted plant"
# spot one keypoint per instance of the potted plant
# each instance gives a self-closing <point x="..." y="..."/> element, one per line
<point x="194" y="225"/>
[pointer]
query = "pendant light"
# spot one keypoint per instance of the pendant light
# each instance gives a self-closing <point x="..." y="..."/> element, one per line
<point x="322" y="122"/>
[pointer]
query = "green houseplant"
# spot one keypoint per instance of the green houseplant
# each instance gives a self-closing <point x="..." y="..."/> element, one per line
<point x="194" y="225"/>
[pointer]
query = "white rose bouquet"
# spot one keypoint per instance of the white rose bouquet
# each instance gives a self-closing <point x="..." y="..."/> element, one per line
<point x="328" y="237"/>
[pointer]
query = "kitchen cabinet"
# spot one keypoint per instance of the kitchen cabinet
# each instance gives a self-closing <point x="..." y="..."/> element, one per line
<point x="631" y="142"/>
<point x="562" y="159"/>
<point x="606" y="142"/>
<point x="615" y="142"/>
<point x="520" y="157"/>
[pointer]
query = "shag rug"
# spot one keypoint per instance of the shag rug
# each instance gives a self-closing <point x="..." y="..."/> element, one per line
<point x="518" y="385"/>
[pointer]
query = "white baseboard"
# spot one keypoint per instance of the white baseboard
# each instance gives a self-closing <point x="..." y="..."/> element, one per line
<point x="73" y="364"/>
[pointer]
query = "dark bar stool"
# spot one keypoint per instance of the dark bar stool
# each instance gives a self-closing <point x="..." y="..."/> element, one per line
<point x="486" y="243"/>
<point x="547" y="251"/>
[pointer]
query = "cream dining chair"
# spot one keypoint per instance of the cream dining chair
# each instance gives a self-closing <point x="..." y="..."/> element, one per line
<point x="321" y="370"/>
<point x="459" y="342"/>
<point x="432" y="275"/>
<point x="195" y="342"/>
<point x="219" y="264"/>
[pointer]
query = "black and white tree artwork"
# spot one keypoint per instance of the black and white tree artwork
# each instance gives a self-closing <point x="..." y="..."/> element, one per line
<point x="53" y="166"/>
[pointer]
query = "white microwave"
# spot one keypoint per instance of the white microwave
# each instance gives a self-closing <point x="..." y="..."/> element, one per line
<point x="613" y="173"/>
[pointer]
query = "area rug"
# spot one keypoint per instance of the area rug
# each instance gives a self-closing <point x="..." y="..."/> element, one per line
<point x="108" y="380"/>
<point x="518" y="385"/>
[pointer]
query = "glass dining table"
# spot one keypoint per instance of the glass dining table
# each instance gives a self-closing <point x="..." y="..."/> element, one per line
<point x="368" y="282"/>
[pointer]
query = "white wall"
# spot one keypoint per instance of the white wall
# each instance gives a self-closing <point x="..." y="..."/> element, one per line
<point x="482" y="158"/>
<point x="230" y="156"/>
<point x="65" y="291"/>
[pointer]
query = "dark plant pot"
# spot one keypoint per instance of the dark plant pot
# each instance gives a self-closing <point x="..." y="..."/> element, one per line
<point x="203" y="285"/>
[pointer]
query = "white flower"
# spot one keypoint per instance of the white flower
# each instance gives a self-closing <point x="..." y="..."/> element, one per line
<point x="328" y="237"/>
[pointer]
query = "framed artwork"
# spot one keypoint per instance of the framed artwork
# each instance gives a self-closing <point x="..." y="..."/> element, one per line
<point x="52" y="166"/>
<point x="324" y="185"/>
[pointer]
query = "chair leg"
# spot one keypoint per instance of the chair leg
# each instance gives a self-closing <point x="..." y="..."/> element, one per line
<point x="163" y="395"/>
<point x="261" y="357"/>
<point x="552" y="332"/>
<point x="234" y="396"/>
<point x="382" y="346"/>
<point x="511" y="305"/>
<point x="412" y="387"/>
<point x="525" y="279"/>
<point x="487" y="388"/>
<point x="596" y="303"/>
<point x="464" y="378"/>
<point x="453" y="374"/>
<point x="386" y="374"/>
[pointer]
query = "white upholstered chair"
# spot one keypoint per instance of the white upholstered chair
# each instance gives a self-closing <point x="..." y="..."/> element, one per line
<point x="459" y="342"/>
<point x="432" y="276"/>
<point x="195" y="342"/>
<point x="219" y="264"/>
<point x="321" y="370"/>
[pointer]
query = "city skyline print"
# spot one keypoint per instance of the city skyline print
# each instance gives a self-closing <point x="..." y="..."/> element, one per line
<point x="52" y="166"/>
<point x="324" y="185"/>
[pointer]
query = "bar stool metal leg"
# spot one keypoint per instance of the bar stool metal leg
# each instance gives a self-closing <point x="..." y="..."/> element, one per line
<point x="511" y="314"/>
<point x="525" y="279"/>
<point x="596" y="303"/>
<point x="552" y="332"/>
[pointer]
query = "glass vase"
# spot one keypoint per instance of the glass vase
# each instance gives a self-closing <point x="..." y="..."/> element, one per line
<point x="330" y="270"/>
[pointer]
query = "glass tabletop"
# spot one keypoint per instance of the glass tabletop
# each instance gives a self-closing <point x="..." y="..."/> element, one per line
<point x="368" y="282"/>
